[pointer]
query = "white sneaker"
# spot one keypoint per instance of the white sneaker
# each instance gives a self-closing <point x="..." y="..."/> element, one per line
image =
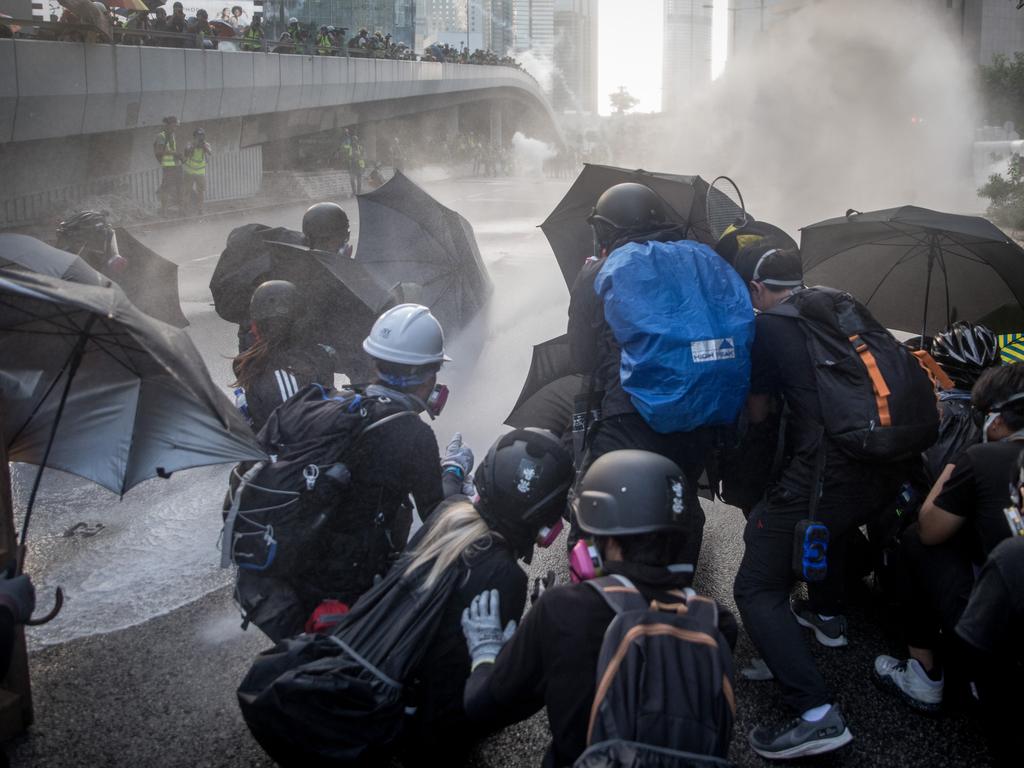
<point x="908" y="680"/>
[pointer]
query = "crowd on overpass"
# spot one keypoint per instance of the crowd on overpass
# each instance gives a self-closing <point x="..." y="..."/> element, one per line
<point x="230" y="32"/>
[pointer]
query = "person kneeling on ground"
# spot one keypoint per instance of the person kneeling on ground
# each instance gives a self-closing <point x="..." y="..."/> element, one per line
<point x="280" y="362"/>
<point x="522" y="485"/>
<point x="961" y="522"/>
<point x="633" y="506"/>
<point x="992" y="626"/>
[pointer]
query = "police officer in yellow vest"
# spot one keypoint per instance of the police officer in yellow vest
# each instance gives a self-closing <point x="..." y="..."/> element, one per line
<point x="197" y="156"/>
<point x="165" y="148"/>
<point x="252" y="38"/>
<point x="323" y="42"/>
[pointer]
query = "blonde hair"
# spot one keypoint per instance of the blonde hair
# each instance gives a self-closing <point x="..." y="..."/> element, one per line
<point x="453" y="534"/>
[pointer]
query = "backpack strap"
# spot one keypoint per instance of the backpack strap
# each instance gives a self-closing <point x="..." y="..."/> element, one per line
<point x="228" y="532"/>
<point x="878" y="383"/>
<point x="619" y="593"/>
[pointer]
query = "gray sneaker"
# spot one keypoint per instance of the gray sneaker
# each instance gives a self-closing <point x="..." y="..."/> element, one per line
<point x="799" y="738"/>
<point x="908" y="680"/>
<point x="829" y="632"/>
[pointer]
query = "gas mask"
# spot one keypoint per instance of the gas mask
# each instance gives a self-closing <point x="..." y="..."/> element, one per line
<point x="345" y="251"/>
<point x="585" y="562"/>
<point x="990" y="419"/>
<point x="547" y="535"/>
<point x="436" y="400"/>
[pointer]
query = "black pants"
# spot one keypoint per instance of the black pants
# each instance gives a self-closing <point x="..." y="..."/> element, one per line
<point x="170" y="192"/>
<point x="935" y="584"/>
<point x="685" y="449"/>
<point x="851" y="496"/>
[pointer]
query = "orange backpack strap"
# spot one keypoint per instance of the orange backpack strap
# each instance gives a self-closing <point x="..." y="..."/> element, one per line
<point x="882" y="391"/>
<point x="940" y="379"/>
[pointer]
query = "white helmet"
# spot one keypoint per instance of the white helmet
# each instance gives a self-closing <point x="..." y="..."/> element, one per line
<point x="293" y="20"/>
<point x="407" y="335"/>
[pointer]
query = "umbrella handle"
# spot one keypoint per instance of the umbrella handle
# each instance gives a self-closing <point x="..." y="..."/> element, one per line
<point x="58" y="603"/>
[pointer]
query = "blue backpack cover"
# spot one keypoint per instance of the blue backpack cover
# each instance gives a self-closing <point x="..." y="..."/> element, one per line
<point x="684" y="321"/>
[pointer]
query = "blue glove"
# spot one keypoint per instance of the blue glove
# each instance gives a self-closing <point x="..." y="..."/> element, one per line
<point x="481" y="624"/>
<point x="458" y="458"/>
<point x="19" y="596"/>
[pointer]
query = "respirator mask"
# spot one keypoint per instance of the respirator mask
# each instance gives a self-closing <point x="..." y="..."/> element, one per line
<point x="437" y="399"/>
<point x="585" y="562"/>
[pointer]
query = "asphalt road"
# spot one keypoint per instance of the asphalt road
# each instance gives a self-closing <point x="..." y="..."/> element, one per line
<point x="142" y="666"/>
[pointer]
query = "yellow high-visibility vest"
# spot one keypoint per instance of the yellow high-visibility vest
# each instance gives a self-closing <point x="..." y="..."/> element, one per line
<point x="168" y="159"/>
<point x="195" y="163"/>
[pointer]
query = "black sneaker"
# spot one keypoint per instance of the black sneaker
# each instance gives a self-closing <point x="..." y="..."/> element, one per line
<point x="829" y="632"/>
<point x="799" y="738"/>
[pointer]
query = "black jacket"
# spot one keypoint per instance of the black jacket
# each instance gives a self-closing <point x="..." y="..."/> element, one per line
<point x="592" y="345"/>
<point x="284" y="375"/>
<point x="552" y="660"/>
<point x="440" y="727"/>
<point x="391" y="463"/>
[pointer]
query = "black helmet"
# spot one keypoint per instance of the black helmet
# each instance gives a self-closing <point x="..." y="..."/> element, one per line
<point x="627" y="208"/>
<point x="522" y="483"/>
<point x="324" y="220"/>
<point x="274" y="299"/>
<point x="85" y="227"/>
<point x="964" y="350"/>
<point x="626" y="493"/>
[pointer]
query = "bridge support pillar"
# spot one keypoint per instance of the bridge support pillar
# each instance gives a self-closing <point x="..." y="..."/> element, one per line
<point x="368" y="134"/>
<point x="496" y="127"/>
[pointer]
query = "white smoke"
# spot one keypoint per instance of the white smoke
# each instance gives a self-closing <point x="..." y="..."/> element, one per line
<point x="542" y="68"/>
<point x="842" y="105"/>
<point x="530" y="154"/>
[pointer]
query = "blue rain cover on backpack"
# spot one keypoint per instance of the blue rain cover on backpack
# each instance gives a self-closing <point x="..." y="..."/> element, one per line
<point x="685" y="324"/>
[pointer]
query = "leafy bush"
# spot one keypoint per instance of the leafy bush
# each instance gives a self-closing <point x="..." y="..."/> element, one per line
<point x="1006" y="195"/>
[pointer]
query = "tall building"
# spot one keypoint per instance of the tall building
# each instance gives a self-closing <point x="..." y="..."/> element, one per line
<point x="396" y="17"/>
<point x="574" y="85"/>
<point x="534" y="27"/>
<point x="488" y="22"/>
<point x="686" y="55"/>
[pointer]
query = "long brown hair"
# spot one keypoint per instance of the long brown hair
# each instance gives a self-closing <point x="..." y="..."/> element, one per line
<point x="271" y="338"/>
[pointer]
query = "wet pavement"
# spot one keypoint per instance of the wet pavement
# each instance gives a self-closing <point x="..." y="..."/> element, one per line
<point x="142" y="665"/>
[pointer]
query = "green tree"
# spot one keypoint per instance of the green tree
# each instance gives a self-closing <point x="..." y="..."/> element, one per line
<point x="1002" y="90"/>
<point x="1006" y="195"/>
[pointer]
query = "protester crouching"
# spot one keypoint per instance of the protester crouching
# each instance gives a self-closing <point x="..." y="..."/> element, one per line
<point x="632" y="508"/>
<point x="825" y="490"/>
<point x="522" y="484"/>
<point x="960" y="524"/>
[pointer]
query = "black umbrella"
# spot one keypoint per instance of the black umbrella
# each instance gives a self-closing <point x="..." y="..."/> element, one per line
<point x="550" y="407"/>
<point x="567" y="230"/>
<point x="128" y="396"/>
<point x="917" y="269"/>
<point x="24" y="252"/>
<point x="341" y="301"/>
<point x="149" y="280"/>
<point x="417" y="249"/>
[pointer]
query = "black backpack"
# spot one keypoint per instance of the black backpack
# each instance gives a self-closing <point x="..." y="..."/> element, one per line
<point x="664" y="694"/>
<point x="877" y="401"/>
<point x="246" y="262"/>
<point x="275" y="508"/>
<point x="340" y="699"/>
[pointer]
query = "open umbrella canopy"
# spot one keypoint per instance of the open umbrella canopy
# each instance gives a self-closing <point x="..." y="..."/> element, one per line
<point x="551" y="387"/>
<point x="919" y="270"/>
<point x="340" y="300"/>
<point x="149" y="280"/>
<point x="567" y="230"/>
<point x="134" y="397"/>
<point x="418" y="250"/>
<point x="24" y="252"/>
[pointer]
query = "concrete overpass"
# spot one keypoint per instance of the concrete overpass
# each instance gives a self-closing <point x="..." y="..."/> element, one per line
<point x="74" y="114"/>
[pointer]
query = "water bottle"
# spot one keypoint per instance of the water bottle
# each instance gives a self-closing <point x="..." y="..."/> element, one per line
<point x="242" y="404"/>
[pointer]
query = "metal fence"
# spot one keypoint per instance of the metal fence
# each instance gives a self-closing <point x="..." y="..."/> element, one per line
<point x="230" y="176"/>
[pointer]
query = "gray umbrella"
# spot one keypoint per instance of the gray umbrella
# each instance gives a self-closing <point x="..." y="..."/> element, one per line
<point x="118" y="396"/>
<point x="416" y="249"/>
<point x="24" y="252"/>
